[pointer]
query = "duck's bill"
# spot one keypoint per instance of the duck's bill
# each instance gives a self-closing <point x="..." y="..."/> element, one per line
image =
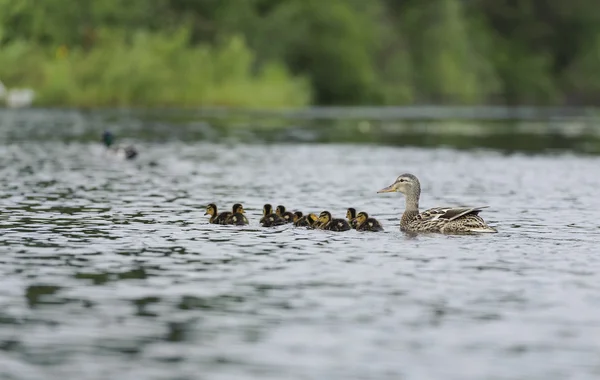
<point x="389" y="189"/>
<point x="206" y="213"/>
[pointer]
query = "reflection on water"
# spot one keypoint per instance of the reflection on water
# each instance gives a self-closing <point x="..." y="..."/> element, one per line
<point x="109" y="269"/>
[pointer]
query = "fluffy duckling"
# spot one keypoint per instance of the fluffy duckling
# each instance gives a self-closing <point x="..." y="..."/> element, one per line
<point x="326" y="222"/>
<point x="288" y="216"/>
<point x="351" y="216"/>
<point x="237" y="217"/>
<point x="364" y="223"/>
<point x="297" y="215"/>
<point x="128" y="152"/>
<point x="215" y="217"/>
<point x="309" y="220"/>
<point x="270" y="219"/>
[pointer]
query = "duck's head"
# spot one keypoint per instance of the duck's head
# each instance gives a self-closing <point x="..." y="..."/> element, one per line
<point x="211" y="209"/>
<point x="361" y="217"/>
<point x="312" y="219"/>
<point x="108" y="138"/>
<point x="297" y="215"/>
<point x="238" y="209"/>
<point x="267" y="209"/>
<point x="351" y="213"/>
<point x="405" y="184"/>
<point x="324" y="217"/>
<point x="280" y="210"/>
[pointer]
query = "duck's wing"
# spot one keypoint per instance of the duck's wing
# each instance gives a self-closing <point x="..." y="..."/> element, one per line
<point x="448" y="213"/>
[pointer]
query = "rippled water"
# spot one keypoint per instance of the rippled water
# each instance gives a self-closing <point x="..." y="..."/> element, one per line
<point x="110" y="270"/>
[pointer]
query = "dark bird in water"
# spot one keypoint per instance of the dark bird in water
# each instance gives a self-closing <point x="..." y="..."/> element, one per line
<point x="270" y="219"/>
<point x="364" y="223"/>
<point x="326" y="222"/>
<point x="351" y="216"/>
<point x="288" y="216"/>
<point x="128" y="152"/>
<point x="309" y="220"/>
<point x="237" y="217"/>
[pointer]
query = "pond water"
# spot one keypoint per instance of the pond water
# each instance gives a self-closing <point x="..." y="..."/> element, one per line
<point x="109" y="269"/>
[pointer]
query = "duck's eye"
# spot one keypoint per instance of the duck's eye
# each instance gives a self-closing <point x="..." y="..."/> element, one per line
<point x="401" y="180"/>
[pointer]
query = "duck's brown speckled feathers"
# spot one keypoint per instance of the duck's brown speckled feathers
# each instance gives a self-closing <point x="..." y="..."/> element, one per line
<point x="447" y="220"/>
<point x="326" y="222"/>
<point x="365" y="223"/>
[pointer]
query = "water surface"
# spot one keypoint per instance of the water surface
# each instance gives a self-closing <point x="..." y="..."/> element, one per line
<point x="109" y="269"/>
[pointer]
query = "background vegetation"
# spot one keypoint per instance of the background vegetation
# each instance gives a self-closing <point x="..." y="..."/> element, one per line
<point x="275" y="53"/>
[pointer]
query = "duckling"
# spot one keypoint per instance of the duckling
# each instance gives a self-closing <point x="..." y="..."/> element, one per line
<point x="215" y="217"/>
<point x="288" y="216"/>
<point x="309" y="220"/>
<point x="129" y="152"/>
<point x="270" y="219"/>
<point x="297" y="215"/>
<point x="327" y="223"/>
<point x="351" y="216"/>
<point x="237" y="217"/>
<point x="364" y="223"/>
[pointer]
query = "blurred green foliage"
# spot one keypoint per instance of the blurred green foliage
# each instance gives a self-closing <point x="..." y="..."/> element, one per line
<point x="275" y="53"/>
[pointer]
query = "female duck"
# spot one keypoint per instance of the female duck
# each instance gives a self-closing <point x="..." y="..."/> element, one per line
<point x="364" y="223"/>
<point x="129" y="152"/>
<point x="326" y="222"/>
<point x="446" y="220"/>
<point x="270" y="219"/>
<point x="288" y="216"/>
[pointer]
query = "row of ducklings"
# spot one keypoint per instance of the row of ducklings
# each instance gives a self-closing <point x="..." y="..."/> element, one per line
<point x="359" y="221"/>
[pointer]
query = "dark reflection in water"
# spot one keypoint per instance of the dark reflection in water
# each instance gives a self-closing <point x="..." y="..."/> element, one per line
<point x="109" y="269"/>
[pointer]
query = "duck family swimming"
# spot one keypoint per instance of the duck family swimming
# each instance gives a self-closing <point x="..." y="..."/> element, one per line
<point x="446" y="220"/>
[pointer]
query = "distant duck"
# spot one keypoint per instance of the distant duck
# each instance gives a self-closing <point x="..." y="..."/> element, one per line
<point x="128" y="152"/>
<point x="446" y="220"/>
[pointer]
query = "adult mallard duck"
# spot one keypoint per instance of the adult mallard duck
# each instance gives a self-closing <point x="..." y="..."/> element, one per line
<point x="326" y="222"/>
<point x="365" y="223"/>
<point x="307" y="221"/>
<point x="269" y="218"/>
<point x="351" y="216"/>
<point x="215" y="217"/>
<point x="447" y="220"/>
<point x="288" y="216"/>
<point x="237" y="216"/>
<point x="128" y="152"/>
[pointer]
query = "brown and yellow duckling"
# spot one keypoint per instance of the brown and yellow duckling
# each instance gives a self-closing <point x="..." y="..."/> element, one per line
<point x="309" y="220"/>
<point x="237" y="217"/>
<point x="215" y="217"/>
<point x="364" y="223"/>
<point x="271" y="219"/>
<point x="288" y="216"/>
<point x="326" y="222"/>
<point x="351" y="216"/>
